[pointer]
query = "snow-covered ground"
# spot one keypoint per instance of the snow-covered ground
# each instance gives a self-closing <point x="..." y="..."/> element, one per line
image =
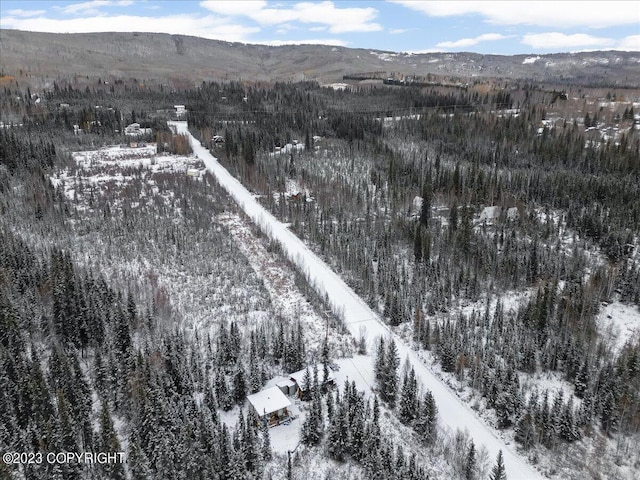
<point x="286" y="298"/>
<point x="619" y="323"/>
<point x="454" y="414"/>
<point x="287" y="437"/>
<point x="116" y="166"/>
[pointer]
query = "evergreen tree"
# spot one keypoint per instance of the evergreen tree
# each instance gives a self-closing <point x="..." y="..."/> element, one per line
<point x="306" y="384"/>
<point x="249" y="151"/>
<point x="109" y="443"/>
<point x="67" y="435"/>
<point x="250" y="444"/>
<point x="426" y="423"/>
<point x="358" y="433"/>
<point x="470" y="464"/>
<point x="380" y="361"/>
<point x="289" y="467"/>
<point x="505" y="408"/>
<point x="338" y="441"/>
<point x="568" y="429"/>
<point x="389" y="379"/>
<point x="122" y="333"/>
<point x="581" y="382"/>
<point x="239" y="386"/>
<point x="525" y="432"/>
<point x="224" y="396"/>
<point x="330" y="406"/>
<point x="237" y="470"/>
<point x="556" y="414"/>
<point x="325" y="362"/>
<point x="227" y="465"/>
<point x="408" y="397"/>
<point x="266" y="441"/>
<point x="137" y="460"/>
<point x="132" y="312"/>
<point x="447" y="355"/>
<point x="543" y="421"/>
<point x="313" y="423"/>
<point x="498" y="471"/>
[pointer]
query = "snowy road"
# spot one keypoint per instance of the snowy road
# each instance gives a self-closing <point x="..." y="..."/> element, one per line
<point x="454" y="414"/>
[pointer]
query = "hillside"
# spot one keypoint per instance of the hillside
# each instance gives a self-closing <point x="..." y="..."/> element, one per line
<point x="42" y="57"/>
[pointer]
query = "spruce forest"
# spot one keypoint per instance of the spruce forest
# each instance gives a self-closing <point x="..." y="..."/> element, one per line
<point x="493" y="226"/>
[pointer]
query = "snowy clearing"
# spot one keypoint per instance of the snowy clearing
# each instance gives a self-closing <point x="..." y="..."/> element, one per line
<point x="286" y="298"/>
<point x="454" y="414"/>
<point x="620" y="323"/>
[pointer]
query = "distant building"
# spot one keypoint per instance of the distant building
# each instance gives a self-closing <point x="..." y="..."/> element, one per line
<point x="180" y="111"/>
<point x="490" y="215"/>
<point x="512" y="213"/>
<point x="270" y="405"/>
<point x="304" y="385"/>
<point x="134" y="130"/>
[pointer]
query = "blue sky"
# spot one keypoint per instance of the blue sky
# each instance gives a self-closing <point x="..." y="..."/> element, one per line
<point x="490" y="27"/>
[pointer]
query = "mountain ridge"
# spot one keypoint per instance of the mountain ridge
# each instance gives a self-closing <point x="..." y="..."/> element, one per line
<point x="175" y="59"/>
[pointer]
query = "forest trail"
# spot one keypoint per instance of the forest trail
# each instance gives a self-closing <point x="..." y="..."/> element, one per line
<point x="453" y="413"/>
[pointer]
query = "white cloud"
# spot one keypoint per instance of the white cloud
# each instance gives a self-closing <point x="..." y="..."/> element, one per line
<point x="630" y="44"/>
<point x="468" y="42"/>
<point x="18" y="12"/>
<point x="205" y="27"/>
<point x="286" y="27"/>
<point x="541" y="13"/>
<point x="92" y="7"/>
<point x="234" y="7"/>
<point x="397" y="31"/>
<point x="338" y="20"/>
<point x="556" y="40"/>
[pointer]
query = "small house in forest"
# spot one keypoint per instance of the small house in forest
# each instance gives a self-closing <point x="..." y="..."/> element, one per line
<point x="304" y="385"/>
<point x="133" y="129"/>
<point x="179" y="110"/>
<point x="270" y="405"/>
<point x="288" y="387"/>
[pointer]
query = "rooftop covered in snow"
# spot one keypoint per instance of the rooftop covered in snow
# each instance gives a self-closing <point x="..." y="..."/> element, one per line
<point x="269" y="400"/>
<point x="299" y="376"/>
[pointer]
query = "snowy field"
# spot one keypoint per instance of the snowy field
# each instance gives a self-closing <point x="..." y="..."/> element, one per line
<point x="286" y="297"/>
<point x="242" y="280"/>
<point x="112" y="168"/>
<point x="619" y="323"/>
<point x="454" y="414"/>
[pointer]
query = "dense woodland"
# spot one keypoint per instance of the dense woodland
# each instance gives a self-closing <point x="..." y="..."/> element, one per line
<point x="94" y="360"/>
<point x="573" y="242"/>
